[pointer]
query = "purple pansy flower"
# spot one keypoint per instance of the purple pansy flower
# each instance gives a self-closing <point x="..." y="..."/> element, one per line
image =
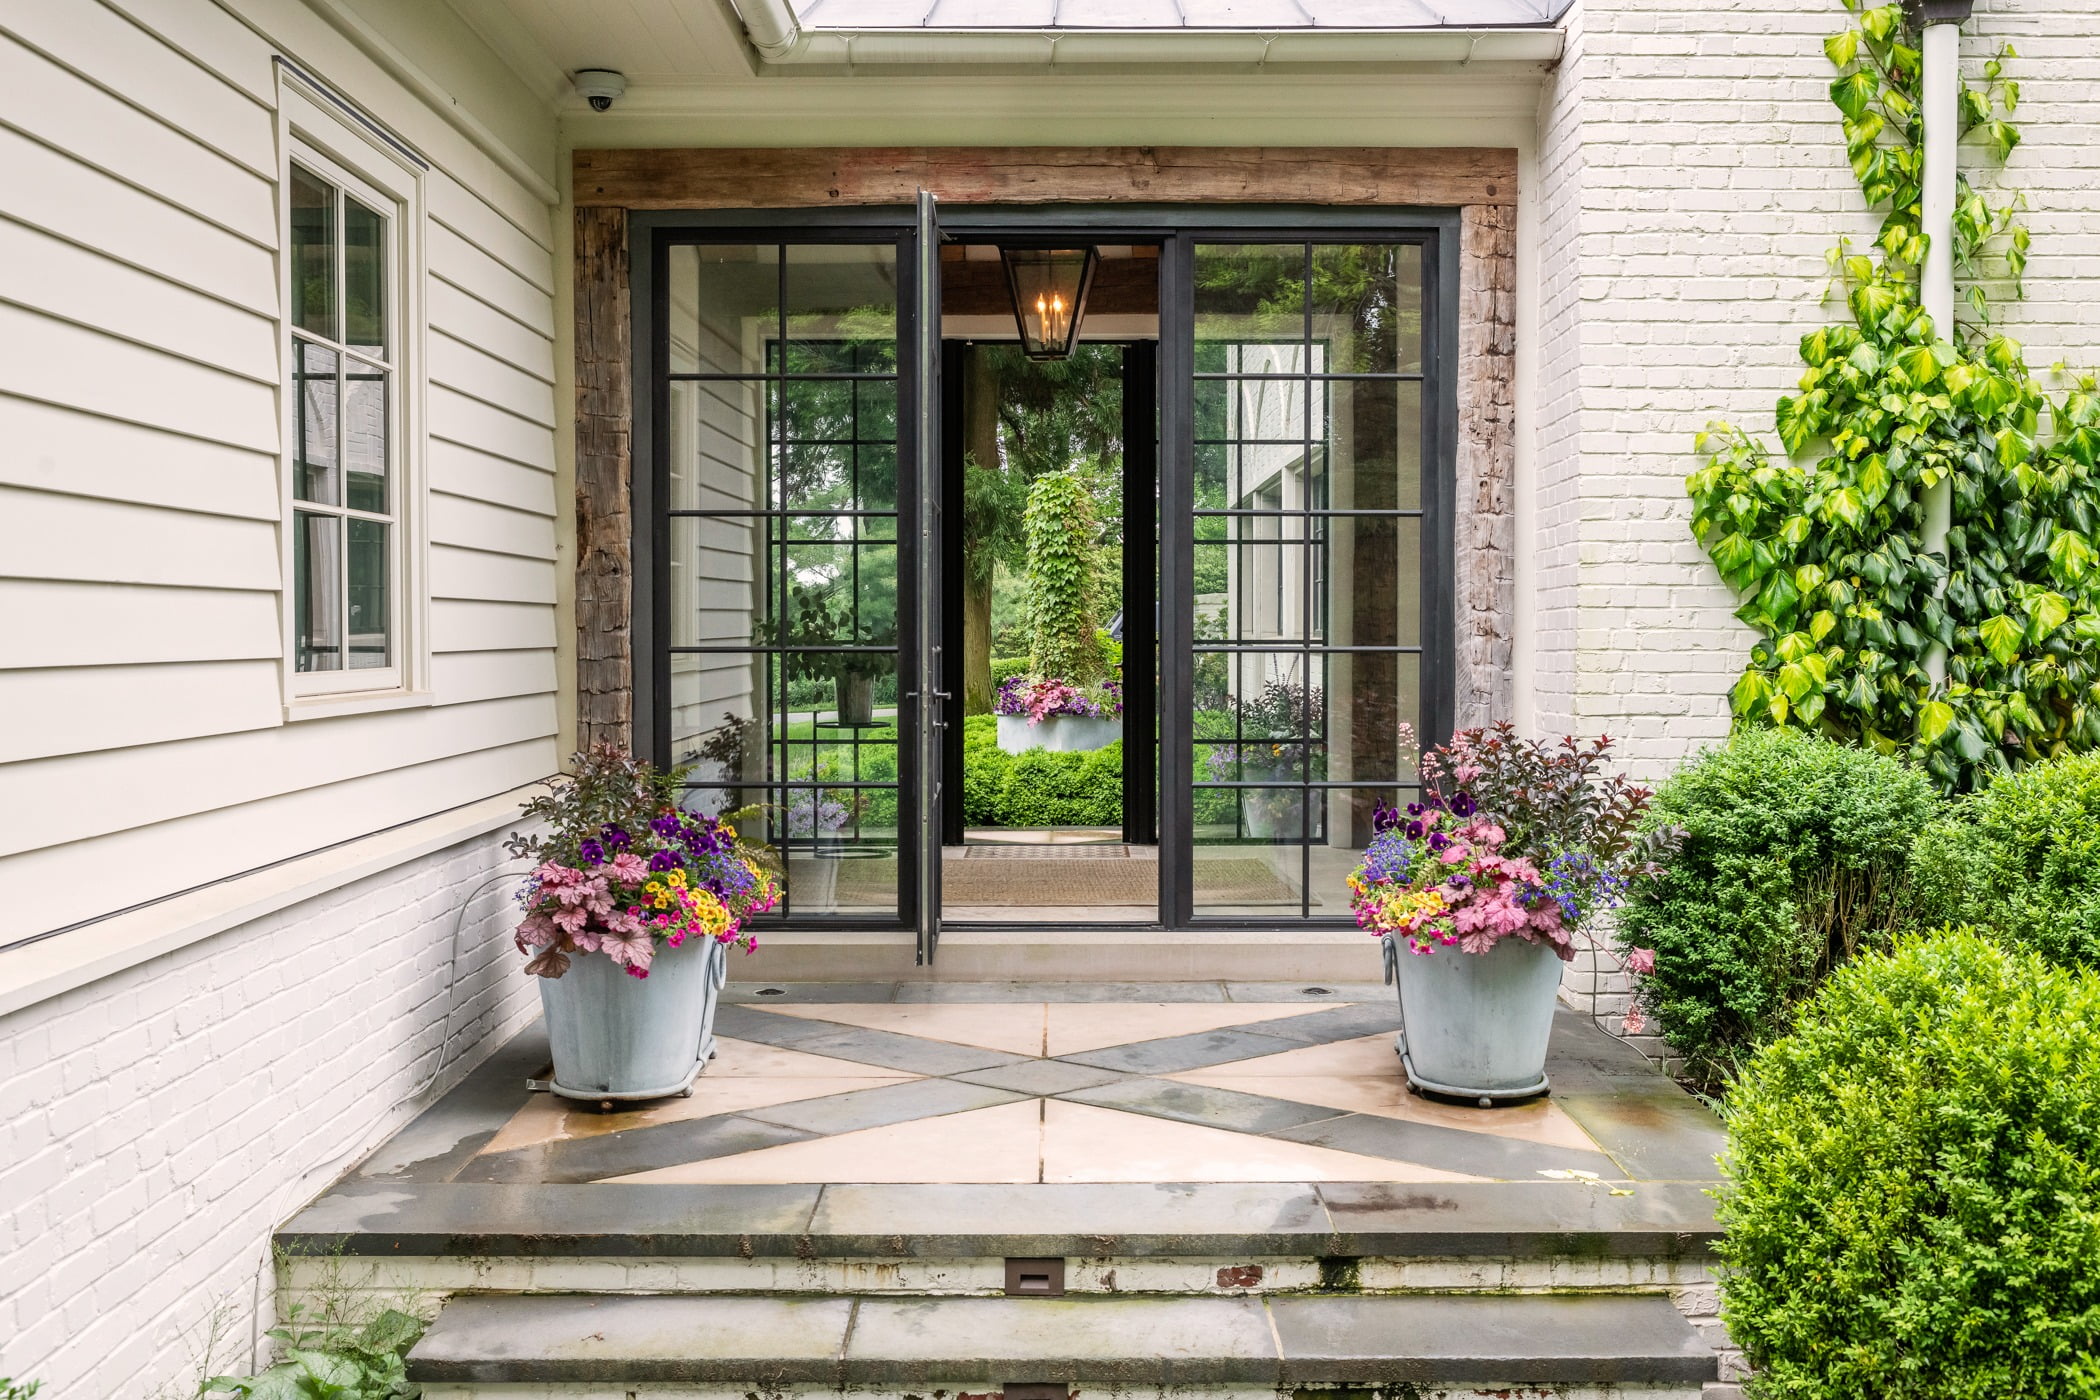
<point x="591" y="851"/>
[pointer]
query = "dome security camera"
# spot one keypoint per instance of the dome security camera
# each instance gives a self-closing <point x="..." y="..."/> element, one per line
<point x="600" y="86"/>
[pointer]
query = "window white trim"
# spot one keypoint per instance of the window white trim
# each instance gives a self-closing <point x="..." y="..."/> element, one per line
<point x="317" y="132"/>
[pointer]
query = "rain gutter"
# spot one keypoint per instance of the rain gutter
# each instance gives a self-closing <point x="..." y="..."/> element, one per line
<point x="782" y="43"/>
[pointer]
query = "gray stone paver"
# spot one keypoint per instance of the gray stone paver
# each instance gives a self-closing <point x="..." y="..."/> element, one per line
<point x="1042" y="1077"/>
<point x="1111" y="1340"/>
<point x="1082" y="1220"/>
<point x="1159" y="1340"/>
<point x="1213" y="1108"/>
<point x="1173" y="1054"/>
<point x="1538" y="1339"/>
<point x="635" y="1150"/>
<point x="888" y="1103"/>
<point x="1447" y="1149"/>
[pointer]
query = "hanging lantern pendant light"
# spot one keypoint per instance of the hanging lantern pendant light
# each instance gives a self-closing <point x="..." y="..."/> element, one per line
<point x="1049" y="287"/>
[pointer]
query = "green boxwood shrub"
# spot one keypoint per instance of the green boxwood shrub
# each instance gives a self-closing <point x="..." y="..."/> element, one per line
<point x="1005" y="668"/>
<point x="1037" y="788"/>
<point x="1796" y="854"/>
<point x="1913" y="1200"/>
<point x="2022" y="858"/>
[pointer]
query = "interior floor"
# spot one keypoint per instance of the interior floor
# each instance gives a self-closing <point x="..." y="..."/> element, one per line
<point x="1049" y="875"/>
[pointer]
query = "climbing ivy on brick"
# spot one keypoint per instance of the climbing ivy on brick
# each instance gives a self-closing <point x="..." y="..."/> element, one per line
<point x="1064" y="585"/>
<point x="1823" y="541"/>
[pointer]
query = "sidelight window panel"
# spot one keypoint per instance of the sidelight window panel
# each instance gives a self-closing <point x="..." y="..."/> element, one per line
<point x="781" y="593"/>
<point x="1307" y="602"/>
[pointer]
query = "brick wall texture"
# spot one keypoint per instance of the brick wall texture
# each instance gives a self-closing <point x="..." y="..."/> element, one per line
<point x="1691" y="176"/>
<point x="162" y="1121"/>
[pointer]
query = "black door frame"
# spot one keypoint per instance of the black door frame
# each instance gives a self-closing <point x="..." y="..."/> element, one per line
<point x="1140" y="486"/>
<point x="1177" y="228"/>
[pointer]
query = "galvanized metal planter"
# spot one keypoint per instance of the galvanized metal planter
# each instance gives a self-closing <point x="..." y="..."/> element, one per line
<point x="1475" y="1025"/>
<point x="619" y="1037"/>
<point x="1059" y="733"/>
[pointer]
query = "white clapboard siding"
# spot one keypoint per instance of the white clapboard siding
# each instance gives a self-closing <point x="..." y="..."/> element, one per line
<point x="456" y="417"/>
<point x="464" y="624"/>
<point x="51" y="191"/>
<point x="48" y="449"/>
<point x="89" y="37"/>
<point x="464" y="470"/>
<point x="477" y="524"/>
<point x="210" y="36"/>
<point x="68" y="798"/>
<point x="81" y="538"/>
<point x="524" y="252"/>
<point x="61" y="363"/>
<point x="462" y="677"/>
<point x="141" y="611"/>
<point x="473" y="269"/>
<point x="52" y="884"/>
<point x="61" y="109"/>
<point x="495" y="578"/>
<point x="76" y="284"/>
<point x="458" y="365"/>
<point x="463" y="316"/>
<point x="45" y="623"/>
<point x="80" y="709"/>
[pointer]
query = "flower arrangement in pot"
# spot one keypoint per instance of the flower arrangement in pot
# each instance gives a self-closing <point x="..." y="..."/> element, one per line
<point x="1485" y="887"/>
<point x="1274" y="748"/>
<point x="1067" y="700"/>
<point x="628" y="914"/>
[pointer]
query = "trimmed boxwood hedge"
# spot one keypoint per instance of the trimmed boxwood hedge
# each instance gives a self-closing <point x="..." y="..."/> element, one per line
<point x="1796" y="854"/>
<point x="2022" y="858"/>
<point x="1913" y="1200"/>
<point x="1037" y="788"/>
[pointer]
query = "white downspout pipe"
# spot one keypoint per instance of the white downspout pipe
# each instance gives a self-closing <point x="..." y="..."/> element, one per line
<point x="1941" y="57"/>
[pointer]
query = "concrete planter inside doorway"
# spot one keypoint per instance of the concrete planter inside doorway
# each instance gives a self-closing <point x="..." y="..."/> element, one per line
<point x="1058" y="733"/>
<point x="614" y="1036"/>
<point x="1475" y="1024"/>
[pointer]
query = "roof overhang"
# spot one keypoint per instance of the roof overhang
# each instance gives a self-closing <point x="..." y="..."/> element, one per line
<point x="782" y="42"/>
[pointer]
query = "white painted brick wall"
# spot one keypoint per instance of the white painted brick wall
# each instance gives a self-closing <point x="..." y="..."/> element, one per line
<point x="1693" y="176"/>
<point x="160" y="1123"/>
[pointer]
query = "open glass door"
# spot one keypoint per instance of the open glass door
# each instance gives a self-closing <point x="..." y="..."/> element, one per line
<point x="928" y="745"/>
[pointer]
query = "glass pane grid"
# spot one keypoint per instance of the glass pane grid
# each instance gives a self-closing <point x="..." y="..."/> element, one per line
<point x="1302" y="665"/>
<point x="343" y="555"/>
<point x="784" y="580"/>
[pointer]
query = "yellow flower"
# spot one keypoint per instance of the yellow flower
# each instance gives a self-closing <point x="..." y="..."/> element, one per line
<point x="676" y="877"/>
<point x="728" y="830"/>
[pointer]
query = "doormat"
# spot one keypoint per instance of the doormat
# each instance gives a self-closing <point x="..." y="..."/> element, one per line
<point x="1116" y="879"/>
<point x="1105" y="851"/>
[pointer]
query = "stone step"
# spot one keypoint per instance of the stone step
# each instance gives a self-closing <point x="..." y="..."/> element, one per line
<point x="1596" y="1345"/>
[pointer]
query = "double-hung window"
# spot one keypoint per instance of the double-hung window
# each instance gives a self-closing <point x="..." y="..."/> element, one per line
<point x="348" y="555"/>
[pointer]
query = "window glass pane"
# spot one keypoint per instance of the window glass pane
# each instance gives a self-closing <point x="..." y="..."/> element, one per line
<point x="1372" y="446"/>
<point x="841" y="309"/>
<point x="723" y="307"/>
<point x="364" y="278"/>
<point x="714" y="701"/>
<point x="365" y="435"/>
<point x="313" y="254"/>
<point x="1248" y="860"/>
<point x="1372" y="572"/>
<point x="835" y="444"/>
<point x="371" y="608"/>
<point x="317" y="602"/>
<point x="715" y="441"/>
<point x="1367" y="307"/>
<point x="1368" y="698"/>
<point x="1246" y="294"/>
<point x="1263" y="575"/>
<point x="314" y="449"/>
<point x="720" y="580"/>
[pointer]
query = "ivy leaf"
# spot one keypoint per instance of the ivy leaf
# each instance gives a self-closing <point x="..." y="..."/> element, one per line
<point x="2001" y="637"/>
<point x="1934" y="717"/>
<point x="1852" y="93"/>
<point x="2045" y="613"/>
<point x="2070" y="555"/>
<point x="1842" y="48"/>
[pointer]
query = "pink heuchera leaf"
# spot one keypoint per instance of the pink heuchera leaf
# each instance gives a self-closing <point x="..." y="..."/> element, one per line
<point x="629" y="868"/>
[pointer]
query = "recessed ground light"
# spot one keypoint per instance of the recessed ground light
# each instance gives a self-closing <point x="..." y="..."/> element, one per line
<point x="772" y="991"/>
<point x="1318" y="992"/>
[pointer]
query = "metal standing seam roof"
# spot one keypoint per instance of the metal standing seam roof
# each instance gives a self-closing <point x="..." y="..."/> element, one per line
<point x="1237" y="15"/>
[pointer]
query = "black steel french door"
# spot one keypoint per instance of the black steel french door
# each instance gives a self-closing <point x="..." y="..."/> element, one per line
<point x="788" y="480"/>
